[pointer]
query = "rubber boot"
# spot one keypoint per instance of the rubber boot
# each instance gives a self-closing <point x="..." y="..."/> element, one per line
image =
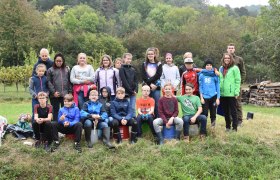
<point x="160" y="138"/>
<point x="119" y="137"/>
<point x="106" y="137"/>
<point x="133" y="137"/>
<point x="87" y="137"/>
<point x="178" y="135"/>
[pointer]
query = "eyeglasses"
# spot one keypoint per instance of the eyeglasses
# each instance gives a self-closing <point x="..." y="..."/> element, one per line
<point x="105" y="60"/>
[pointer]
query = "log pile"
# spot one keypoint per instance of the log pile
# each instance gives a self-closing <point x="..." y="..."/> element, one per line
<point x="265" y="94"/>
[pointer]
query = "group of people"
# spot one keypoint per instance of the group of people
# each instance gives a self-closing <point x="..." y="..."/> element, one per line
<point x="82" y="98"/>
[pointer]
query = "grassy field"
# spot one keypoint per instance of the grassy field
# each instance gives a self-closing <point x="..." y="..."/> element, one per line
<point x="251" y="153"/>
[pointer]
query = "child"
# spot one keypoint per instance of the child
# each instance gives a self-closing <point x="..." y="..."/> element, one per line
<point x="43" y="59"/>
<point x="145" y="108"/>
<point x="58" y="83"/>
<point x="42" y="121"/>
<point x="151" y="73"/>
<point x="209" y="88"/>
<point x="170" y="73"/>
<point x="168" y="114"/>
<point x="105" y="100"/>
<point x="191" y="108"/>
<point x="230" y="88"/>
<point x="93" y="112"/>
<point x="38" y="83"/>
<point x="129" y="81"/>
<point x="107" y="75"/>
<point x="118" y="63"/>
<point x="122" y="115"/>
<point x="69" y="122"/>
<point x="183" y="68"/>
<point x="82" y="77"/>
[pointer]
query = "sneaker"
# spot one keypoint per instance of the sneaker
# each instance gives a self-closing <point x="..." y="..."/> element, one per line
<point x="47" y="147"/>
<point x="77" y="146"/>
<point x="54" y="145"/>
<point x="90" y="145"/>
<point x="202" y="137"/>
<point x="213" y="124"/>
<point x="187" y="139"/>
<point x="37" y="144"/>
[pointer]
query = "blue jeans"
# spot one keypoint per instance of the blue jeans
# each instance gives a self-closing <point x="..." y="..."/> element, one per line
<point x="132" y="102"/>
<point x="81" y="99"/>
<point x="201" y="119"/>
<point x="155" y="95"/>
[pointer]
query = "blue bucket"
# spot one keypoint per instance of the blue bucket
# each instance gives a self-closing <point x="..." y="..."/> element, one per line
<point x="169" y="133"/>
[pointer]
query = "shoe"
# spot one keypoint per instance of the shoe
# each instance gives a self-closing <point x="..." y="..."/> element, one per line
<point x="239" y="123"/>
<point x="213" y="124"/>
<point x="47" y="147"/>
<point x="77" y="146"/>
<point x="178" y="135"/>
<point x="54" y="145"/>
<point x="37" y="144"/>
<point x="202" y="137"/>
<point x="133" y="139"/>
<point x="106" y="138"/>
<point x="119" y="138"/>
<point x="227" y="129"/>
<point x="187" y="139"/>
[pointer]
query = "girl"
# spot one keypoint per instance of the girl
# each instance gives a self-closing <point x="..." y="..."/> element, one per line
<point x="229" y="86"/>
<point x="118" y="63"/>
<point x="151" y="73"/>
<point x="170" y="73"/>
<point x="59" y="83"/>
<point x="107" y="75"/>
<point x="82" y="77"/>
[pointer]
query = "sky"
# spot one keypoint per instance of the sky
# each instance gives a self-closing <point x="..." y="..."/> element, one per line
<point x="238" y="3"/>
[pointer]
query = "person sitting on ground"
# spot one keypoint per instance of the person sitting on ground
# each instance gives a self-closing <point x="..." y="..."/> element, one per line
<point x="191" y="108"/>
<point x="168" y="114"/>
<point x="93" y="114"/>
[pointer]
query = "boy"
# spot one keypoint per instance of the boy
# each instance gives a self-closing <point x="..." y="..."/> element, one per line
<point x="122" y="115"/>
<point x="209" y="88"/>
<point x="168" y="114"/>
<point x="145" y="108"/>
<point x="94" y="112"/>
<point x="38" y="83"/>
<point x="68" y="122"/>
<point x="43" y="59"/>
<point x="129" y="81"/>
<point x="42" y="121"/>
<point x="191" y="108"/>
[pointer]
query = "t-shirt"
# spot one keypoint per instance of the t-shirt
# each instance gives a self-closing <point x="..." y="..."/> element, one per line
<point x="42" y="112"/>
<point x="145" y="105"/>
<point x="189" y="104"/>
<point x="151" y="69"/>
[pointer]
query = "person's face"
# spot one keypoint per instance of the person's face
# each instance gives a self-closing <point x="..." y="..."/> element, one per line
<point x="105" y="62"/>
<point x="168" y="90"/>
<point x="104" y="93"/>
<point x="230" y="49"/>
<point x="42" y="100"/>
<point x="151" y="55"/>
<point x="208" y="67"/>
<point x="227" y="59"/>
<point x="93" y="96"/>
<point x="145" y="91"/>
<point x="118" y="64"/>
<point x="168" y="60"/>
<point x="58" y="61"/>
<point x="188" y="90"/>
<point x="40" y="71"/>
<point x="67" y="103"/>
<point x="127" y="59"/>
<point x="120" y="95"/>
<point x="189" y="65"/>
<point x="44" y="55"/>
<point x="82" y="59"/>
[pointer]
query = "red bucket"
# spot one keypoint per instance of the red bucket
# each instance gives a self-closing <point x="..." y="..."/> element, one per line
<point x="124" y="130"/>
<point x="70" y="136"/>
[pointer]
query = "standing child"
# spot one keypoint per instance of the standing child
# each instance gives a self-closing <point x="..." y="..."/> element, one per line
<point x="191" y="108"/>
<point x="168" y="114"/>
<point x="38" y="83"/>
<point x="145" y="108"/>
<point x="94" y="114"/>
<point x="129" y="81"/>
<point x="58" y="83"/>
<point x="43" y="59"/>
<point x="118" y="63"/>
<point x="69" y="122"/>
<point x="151" y="73"/>
<point x="170" y="73"/>
<point x="183" y="67"/>
<point x="42" y="121"/>
<point x="209" y="88"/>
<point x="82" y="77"/>
<point x="122" y="115"/>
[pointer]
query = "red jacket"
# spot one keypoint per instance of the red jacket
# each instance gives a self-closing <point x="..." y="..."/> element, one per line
<point x="190" y="76"/>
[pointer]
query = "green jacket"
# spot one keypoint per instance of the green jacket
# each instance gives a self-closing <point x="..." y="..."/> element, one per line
<point x="230" y="83"/>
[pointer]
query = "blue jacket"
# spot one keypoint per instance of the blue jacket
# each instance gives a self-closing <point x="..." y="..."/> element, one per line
<point x="72" y="115"/>
<point x="120" y="109"/>
<point x="48" y="63"/>
<point x="90" y="108"/>
<point x="38" y="84"/>
<point x="209" y="84"/>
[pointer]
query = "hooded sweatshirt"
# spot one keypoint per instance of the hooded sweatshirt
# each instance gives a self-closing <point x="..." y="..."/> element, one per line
<point x="105" y="101"/>
<point x="91" y="107"/>
<point x="48" y="63"/>
<point x="209" y="84"/>
<point x="72" y="115"/>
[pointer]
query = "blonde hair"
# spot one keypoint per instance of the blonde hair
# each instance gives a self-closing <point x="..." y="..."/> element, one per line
<point x="167" y="84"/>
<point x="127" y="54"/>
<point x="146" y="86"/>
<point x="80" y="55"/>
<point x="93" y="92"/>
<point x="40" y="66"/>
<point x="187" y="54"/>
<point x="120" y="89"/>
<point x="68" y="97"/>
<point x="118" y="59"/>
<point x="42" y="94"/>
<point x="44" y="50"/>
<point x="107" y="56"/>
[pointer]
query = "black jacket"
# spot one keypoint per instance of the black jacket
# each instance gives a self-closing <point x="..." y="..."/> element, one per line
<point x="129" y="79"/>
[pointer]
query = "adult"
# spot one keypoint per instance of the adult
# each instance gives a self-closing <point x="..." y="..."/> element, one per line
<point x="239" y="62"/>
<point x="43" y="59"/>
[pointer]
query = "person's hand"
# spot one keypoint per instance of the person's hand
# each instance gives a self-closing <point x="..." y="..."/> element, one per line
<point x="217" y="72"/>
<point x="66" y="124"/>
<point x="236" y="97"/>
<point x="193" y="119"/>
<point x="39" y="120"/>
<point x="202" y="100"/>
<point x="56" y="94"/>
<point x="170" y="122"/>
<point x="124" y="122"/>
<point x="153" y="87"/>
<point x="62" y="117"/>
<point x="217" y="102"/>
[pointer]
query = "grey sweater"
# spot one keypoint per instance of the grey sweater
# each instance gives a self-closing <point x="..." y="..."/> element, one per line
<point x="80" y="74"/>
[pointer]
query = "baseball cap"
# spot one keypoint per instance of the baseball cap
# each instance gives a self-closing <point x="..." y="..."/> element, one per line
<point x="188" y="60"/>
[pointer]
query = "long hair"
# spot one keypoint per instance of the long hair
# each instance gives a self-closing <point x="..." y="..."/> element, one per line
<point x="231" y="63"/>
<point x="63" y="60"/>
<point x="156" y="52"/>
<point x="108" y="57"/>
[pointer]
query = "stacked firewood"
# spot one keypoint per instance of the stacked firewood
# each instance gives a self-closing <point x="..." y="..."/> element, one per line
<point x="265" y="94"/>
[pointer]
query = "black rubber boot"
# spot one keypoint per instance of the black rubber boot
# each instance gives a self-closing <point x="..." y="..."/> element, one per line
<point x="133" y="137"/>
<point x="87" y="137"/>
<point x="160" y="138"/>
<point x="106" y="137"/>
<point x="178" y="135"/>
<point x="119" y="137"/>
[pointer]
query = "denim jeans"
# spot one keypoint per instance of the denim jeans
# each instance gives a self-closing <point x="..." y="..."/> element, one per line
<point x="156" y="96"/>
<point x="89" y="124"/>
<point x="132" y="102"/>
<point x="81" y="99"/>
<point x="201" y="119"/>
